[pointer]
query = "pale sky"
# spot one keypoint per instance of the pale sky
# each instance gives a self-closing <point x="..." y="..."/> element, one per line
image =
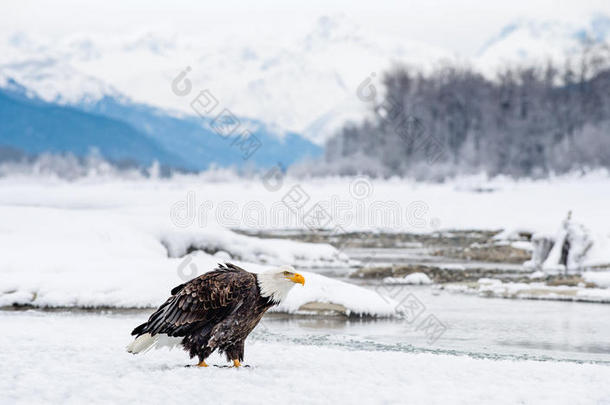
<point x="462" y="27"/>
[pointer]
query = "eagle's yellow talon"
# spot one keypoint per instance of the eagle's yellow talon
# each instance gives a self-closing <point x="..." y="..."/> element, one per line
<point x="202" y="364"/>
<point x="236" y="363"/>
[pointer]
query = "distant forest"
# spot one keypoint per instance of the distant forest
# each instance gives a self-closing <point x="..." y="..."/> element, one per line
<point x="527" y="121"/>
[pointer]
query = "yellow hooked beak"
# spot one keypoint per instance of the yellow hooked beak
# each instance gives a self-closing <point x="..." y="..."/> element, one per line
<point x="297" y="278"/>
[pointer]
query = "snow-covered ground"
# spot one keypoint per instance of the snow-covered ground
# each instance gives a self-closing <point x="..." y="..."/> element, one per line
<point x="489" y="287"/>
<point x="67" y="257"/>
<point x="107" y="242"/>
<point x="81" y="359"/>
<point x="186" y="202"/>
<point x="413" y="278"/>
<point x="121" y="242"/>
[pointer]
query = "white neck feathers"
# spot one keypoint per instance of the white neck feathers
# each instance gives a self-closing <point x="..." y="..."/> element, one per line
<point x="274" y="286"/>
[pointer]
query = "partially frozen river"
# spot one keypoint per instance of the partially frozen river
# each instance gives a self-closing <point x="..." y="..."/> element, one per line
<point x="475" y="327"/>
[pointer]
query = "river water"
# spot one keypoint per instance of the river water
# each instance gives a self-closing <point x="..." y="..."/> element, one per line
<point x="473" y="326"/>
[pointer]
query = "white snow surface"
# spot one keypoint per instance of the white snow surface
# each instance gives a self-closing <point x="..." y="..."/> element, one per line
<point x="98" y="241"/>
<point x="83" y="360"/>
<point x="413" y="278"/>
<point x="599" y="278"/>
<point x="219" y="198"/>
<point x="356" y="300"/>
<point x="58" y="257"/>
<point x="489" y="287"/>
<point x="586" y="249"/>
<point x="254" y="249"/>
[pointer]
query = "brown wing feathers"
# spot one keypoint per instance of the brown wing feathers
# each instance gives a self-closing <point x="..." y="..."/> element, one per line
<point x="204" y="300"/>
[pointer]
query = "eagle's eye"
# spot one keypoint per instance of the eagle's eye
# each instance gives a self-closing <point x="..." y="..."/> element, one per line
<point x="286" y="273"/>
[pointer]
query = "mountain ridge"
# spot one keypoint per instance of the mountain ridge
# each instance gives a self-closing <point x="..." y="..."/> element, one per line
<point x="121" y="130"/>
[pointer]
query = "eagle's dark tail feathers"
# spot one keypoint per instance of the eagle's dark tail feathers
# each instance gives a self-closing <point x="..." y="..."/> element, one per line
<point x="139" y="330"/>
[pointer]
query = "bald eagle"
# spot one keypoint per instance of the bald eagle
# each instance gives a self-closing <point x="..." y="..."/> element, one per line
<point x="215" y="311"/>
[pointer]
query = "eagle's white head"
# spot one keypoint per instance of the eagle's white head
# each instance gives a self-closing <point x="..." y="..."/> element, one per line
<point x="276" y="283"/>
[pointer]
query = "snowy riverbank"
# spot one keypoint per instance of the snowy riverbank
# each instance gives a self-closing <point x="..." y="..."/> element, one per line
<point x="107" y="242"/>
<point x="82" y="359"/>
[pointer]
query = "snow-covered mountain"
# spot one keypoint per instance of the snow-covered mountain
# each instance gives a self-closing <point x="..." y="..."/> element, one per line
<point x="534" y="41"/>
<point x="304" y="83"/>
<point x="126" y="132"/>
